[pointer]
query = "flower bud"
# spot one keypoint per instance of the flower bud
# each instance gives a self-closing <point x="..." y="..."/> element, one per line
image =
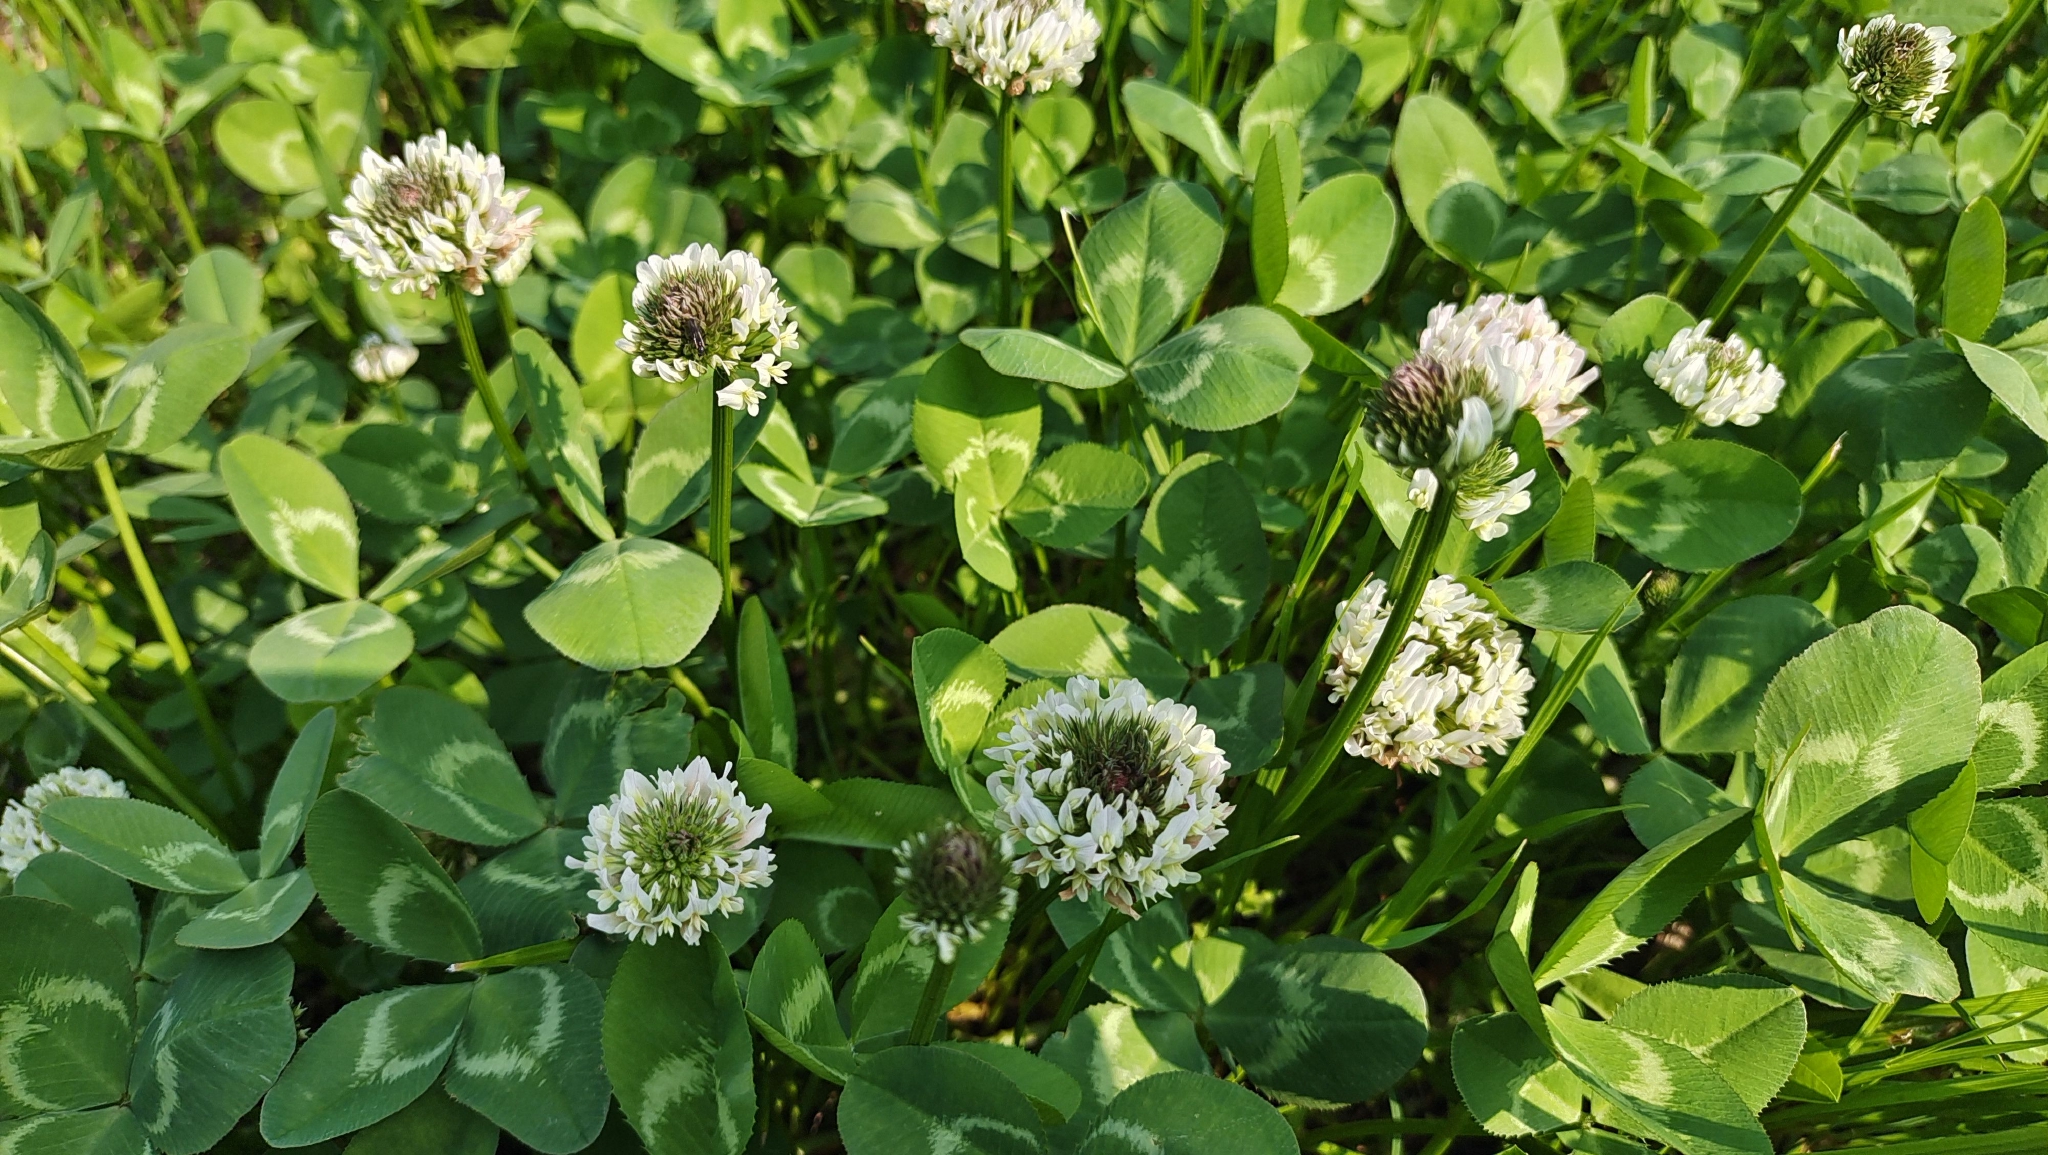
<point x="377" y="361"/>
<point x="1430" y="416"/>
<point x="1897" y="69"/>
<point x="956" y="885"/>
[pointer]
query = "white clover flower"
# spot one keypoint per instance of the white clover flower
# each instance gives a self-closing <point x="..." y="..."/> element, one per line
<point x="670" y="851"/>
<point x="439" y="212"/>
<point x="743" y="394"/>
<point x="1014" y="45"/>
<point x="1456" y="689"/>
<point x="956" y="886"/>
<point x="1103" y="790"/>
<point x="1897" y="69"/>
<point x="770" y="371"/>
<point x="21" y="827"/>
<point x="1431" y="416"/>
<point x="379" y="361"/>
<point x="702" y="311"/>
<point x="1488" y="493"/>
<point x="1529" y="343"/>
<point x="1721" y="381"/>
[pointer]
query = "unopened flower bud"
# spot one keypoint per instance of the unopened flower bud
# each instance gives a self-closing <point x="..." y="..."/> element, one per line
<point x="377" y="361"/>
<point x="956" y="885"/>
<point x="1897" y="69"/>
<point x="1431" y="416"/>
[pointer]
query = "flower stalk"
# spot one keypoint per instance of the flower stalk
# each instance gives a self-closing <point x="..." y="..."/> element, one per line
<point x="1447" y="853"/>
<point x="1425" y="534"/>
<point x="117" y="715"/>
<point x="1112" y="921"/>
<point x="167" y="628"/>
<point x="161" y="777"/>
<point x="1006" y="209"/>
<point x="480" y="380"/>
<point x="930" y="1004"/>
<point x="721" y="499"/>
<point x="187" y="223"/>
<point x="1724" y="298"/>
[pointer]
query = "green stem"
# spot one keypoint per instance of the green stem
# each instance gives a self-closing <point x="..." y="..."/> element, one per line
<point x="805" y="20"/>
<point x="508" y="318"/>
<point x="1006" y="207"/>
<point x="2023" y="163"/>
<point x="1425" y="44"/>
<point x="161" y="778"/>
<point x="1071" y="1002"/>
<point x="942" y="66"/>
<point x="167" y="628"/>
<point x="494" y="87"/>
<point x="1105" y="80"/>
<point x="330" y="181"/>
<point x="721" y="498"/>
<point x="541" y="565"/>
<point x="155" y="23"/>
<point x="186" y="222"/>
<point x="16" y="224"/>
<point x="690" y="690"/>
<point x="115" y="713"/>
<point x="1582" y="28"/>
<point x="1447" y="853"/>
<point x="1425" y="533"/>
<point x="434" y="66"/>
<point x="1724" y="299"/>
<point x="480" y="378"/>
<point x="1974" y="68"/>
<point x="1198" y="23"/>
<point x="931" y="1004"/>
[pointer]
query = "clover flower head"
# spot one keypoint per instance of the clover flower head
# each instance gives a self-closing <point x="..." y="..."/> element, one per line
<point x="1897" y="69"/>
<point x="1014" y="45"/>
<point x="1103" y="790"/>
<point x="1488" y="493"/>
<point x="1723" y="381"/>
<point x="671" y="850"/>
<point x="956" y="884"/>
<point x="21" y="828"/>
<point x="1523" y="335"/>
<point x="1456" y="689"/>
<point x="437" y="212"/>
<point x="701" y="311"/>
<point x="1430" y="415"/>
<point x="379" y="360"/>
